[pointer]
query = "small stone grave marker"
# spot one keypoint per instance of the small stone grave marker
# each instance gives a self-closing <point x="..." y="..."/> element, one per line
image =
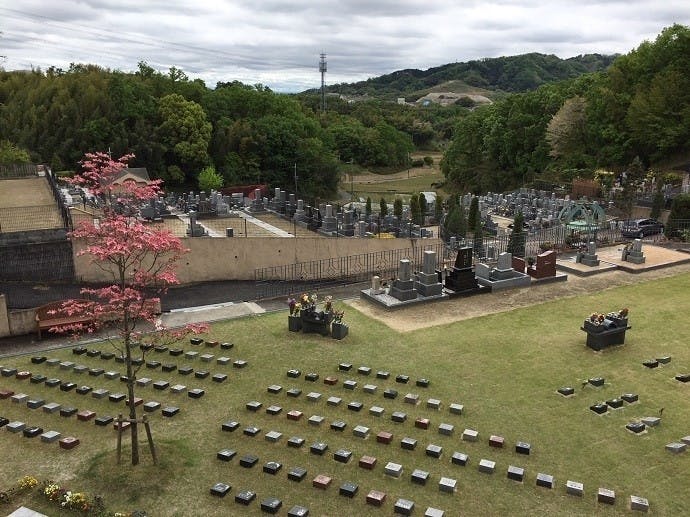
<point x="342" y="455"/>
<point x="318" y="448"/>
<point x="251" y="431"/>
<point x="226" y="454"/>
<point x="470" y="435"/>
<point x="248" y="461"/>
<point x="456" y="409"/>
<point x="487" y="466"/>
<point x="220" y="489"/>
<point x="399" y="417"/>
<point x="361" y="431"/>
<point x="433" y="451"/>
<point x="297" y="474"/>
<point x="409" y="444"/>
<point x="459" y="458"/>
<point x="298" y="511"/>
<point x="516" y="473"/>
<point x="321" y="481"/>
<point x="393" y="469"/>
<point x="404" y="507"/>
<point x="606" y="496"/>
<point x="376" y="411"/>
<point x="245" y="497"/>
<point x="348" y="489"/>
<point x="574" y="488"/>
<point x="544" y="480"/>
<point x="419" y="477"/>
<point x="295" y="442"/>
<point x="273" y="410"/>
<point x="273" y="436"/>
<point x="376" y="498"/>
<point x="447" y="484"/>
<point x="230" y="426"/>
<point x="384" y="437"/>
<point x="446" y="429"/>
<point x="639" y="504"/>
<point x="349" y="384"/>
<point x="316" y="420"/>
<point x="272" y="467"/>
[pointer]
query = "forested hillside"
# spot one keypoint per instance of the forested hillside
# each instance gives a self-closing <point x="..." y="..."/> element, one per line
<point x="637" y="111"/>
<point x="509" y="74"/>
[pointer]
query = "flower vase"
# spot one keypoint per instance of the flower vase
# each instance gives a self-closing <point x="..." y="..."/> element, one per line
<point x="339" y="330"/>
<point x="294" y="323"/>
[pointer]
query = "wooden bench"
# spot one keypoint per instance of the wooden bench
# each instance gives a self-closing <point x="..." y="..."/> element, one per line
<point x="53" y="315"/>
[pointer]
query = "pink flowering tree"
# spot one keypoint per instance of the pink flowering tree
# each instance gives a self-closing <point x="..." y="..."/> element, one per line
<point x="139" y="258"/>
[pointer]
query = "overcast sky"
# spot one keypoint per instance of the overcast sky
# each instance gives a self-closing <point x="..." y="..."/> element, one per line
<point x="278" y="42"/>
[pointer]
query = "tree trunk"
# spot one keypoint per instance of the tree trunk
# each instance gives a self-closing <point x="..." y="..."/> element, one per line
<point x="131" y="402"/>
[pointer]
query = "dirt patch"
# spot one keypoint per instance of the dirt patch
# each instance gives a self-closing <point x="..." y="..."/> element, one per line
<point x="443" y="312"/>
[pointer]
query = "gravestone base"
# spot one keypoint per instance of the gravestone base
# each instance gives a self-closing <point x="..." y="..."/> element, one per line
<point x="598" y="340"/>
<point x="591" y="260"/>
<point x="636" y="257"/>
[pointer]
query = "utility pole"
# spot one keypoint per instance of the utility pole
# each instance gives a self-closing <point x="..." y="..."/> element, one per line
<point x="322" y="69"/>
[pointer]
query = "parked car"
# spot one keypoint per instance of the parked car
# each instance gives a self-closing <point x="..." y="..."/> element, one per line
<point x="641" y="227"/>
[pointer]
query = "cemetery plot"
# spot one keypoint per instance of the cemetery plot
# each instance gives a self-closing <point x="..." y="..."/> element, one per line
<point x="516" y="453"/>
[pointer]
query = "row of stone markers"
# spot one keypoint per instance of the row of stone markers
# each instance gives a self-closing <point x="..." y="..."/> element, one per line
<point x="433" y="283"/>
<point x="418" y="476"/>
<point x="392" y="468"/>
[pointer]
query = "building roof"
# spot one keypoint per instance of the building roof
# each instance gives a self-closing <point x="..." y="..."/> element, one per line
<point x="137" y="174"/>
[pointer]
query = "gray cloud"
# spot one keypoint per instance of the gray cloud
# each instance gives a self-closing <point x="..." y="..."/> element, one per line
<point x="278" y="42"/>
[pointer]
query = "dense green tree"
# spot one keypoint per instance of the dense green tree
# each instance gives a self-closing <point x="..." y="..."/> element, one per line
<point x="473" y="214"/>
<point x="367" y="208"/>
<point x="478" y="238"/>
<point x="186" y="133"/>
<point x="209" y="179"/>
<point x="383" y="208"/>
<point x="438" y="208"/>
<point x="678" y="217"/>
<point x="10" y="153"/>
<point x="415" y="212"/>
<point x="517" y="240"/>
<point x="398" y="208"/>
<point x="423" y="205"/>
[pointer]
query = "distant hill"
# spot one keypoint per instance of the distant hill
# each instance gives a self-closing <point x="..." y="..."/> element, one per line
<point x="502" y="74"/>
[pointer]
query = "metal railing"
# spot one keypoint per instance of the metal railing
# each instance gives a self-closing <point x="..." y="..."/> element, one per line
<point x="313" y="275"/>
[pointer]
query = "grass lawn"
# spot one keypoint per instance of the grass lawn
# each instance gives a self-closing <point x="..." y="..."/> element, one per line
<point x="389" y="189"/>
<point x="504" y="368"/>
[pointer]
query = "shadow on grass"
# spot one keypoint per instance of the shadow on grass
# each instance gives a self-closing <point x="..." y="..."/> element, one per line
<point x="145" y="482"/>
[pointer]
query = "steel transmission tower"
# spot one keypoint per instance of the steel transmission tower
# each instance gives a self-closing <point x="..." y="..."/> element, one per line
<point x="322" y="69"/>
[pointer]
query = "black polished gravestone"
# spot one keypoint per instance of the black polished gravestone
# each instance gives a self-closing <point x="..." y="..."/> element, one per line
<point x="220" y="489"/>
<point x="461" y="280"/>
<point x="348" y="489"/>
<point x="226" y="454"/>
<point x="635" y="427"/>
<point x="248" y="461"/>
<point x="599" y="409"/>
<point x="271" y="505"/>
<point x="272" y="467"/>
<point x="297" y="474"/>
<point x="245" y="497"/>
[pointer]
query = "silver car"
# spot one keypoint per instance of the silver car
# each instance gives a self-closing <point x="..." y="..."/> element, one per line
<point x="641" y="227"/>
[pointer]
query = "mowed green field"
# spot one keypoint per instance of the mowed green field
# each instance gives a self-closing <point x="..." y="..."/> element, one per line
<point x="504" y="368"/>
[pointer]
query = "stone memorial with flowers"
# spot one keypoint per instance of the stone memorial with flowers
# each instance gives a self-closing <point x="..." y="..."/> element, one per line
<point x="604" y="330"/>
<point x="306" y="316"/>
